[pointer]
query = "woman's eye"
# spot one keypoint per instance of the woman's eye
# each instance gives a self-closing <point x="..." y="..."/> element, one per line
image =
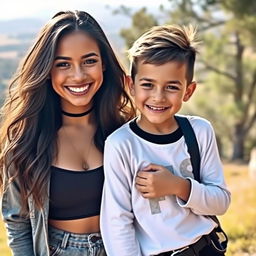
<point x="62" y="64"/>
<point x="90" y="61"/>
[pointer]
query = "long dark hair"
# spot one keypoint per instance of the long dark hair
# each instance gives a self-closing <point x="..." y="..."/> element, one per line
<point x="31" y="115"/>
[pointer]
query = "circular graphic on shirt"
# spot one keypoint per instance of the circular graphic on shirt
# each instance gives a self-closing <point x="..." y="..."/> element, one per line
<point x="186" y="168"/>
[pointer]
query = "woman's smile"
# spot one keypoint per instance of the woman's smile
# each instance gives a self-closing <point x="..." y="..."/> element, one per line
<point x="77" y="73"/>
<point x="78" y="90"/>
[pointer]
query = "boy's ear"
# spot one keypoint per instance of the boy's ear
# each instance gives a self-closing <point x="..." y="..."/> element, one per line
<point x="130" y="83"/>
<point x="189" y="91"/>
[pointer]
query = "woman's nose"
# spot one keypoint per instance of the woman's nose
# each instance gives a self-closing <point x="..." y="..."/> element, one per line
<point x="79" y="74"/>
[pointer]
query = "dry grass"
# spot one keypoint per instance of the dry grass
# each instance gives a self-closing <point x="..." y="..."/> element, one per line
<point x="239" y="221"/>
<point x="4" y="250"/>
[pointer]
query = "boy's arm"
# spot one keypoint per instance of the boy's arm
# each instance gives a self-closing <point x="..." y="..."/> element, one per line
<point x="117" y="219"/>
<point x="211" y="196"/>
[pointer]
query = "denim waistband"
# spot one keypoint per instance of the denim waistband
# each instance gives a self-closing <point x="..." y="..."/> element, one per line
<point x="74" y="239"/>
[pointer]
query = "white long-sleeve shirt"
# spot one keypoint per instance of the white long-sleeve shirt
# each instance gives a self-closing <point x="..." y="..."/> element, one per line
<point x="134" y="226"/>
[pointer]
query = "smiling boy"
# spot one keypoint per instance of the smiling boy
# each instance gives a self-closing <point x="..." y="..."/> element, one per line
<point x="152" y="205"/>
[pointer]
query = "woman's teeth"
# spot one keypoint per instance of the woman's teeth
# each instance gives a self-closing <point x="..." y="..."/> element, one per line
<point x="78" y="89"/>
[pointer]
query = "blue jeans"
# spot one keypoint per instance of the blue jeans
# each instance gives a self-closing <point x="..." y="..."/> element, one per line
<point x="64" y="243"/>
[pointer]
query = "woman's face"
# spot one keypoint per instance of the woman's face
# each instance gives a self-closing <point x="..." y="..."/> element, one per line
<point x="77" y="71"/>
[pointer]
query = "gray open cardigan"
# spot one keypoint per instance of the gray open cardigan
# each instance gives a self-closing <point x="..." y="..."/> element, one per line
<point x="27" y="236"/>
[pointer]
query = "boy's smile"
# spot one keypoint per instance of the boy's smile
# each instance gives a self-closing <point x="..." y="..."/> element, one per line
<point x="159" y="91"/>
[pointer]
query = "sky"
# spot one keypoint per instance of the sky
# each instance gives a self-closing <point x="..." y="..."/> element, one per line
<point x="12" y="9"/>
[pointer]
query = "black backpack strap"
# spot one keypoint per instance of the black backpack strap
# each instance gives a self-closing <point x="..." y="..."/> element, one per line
<point x="193" y="149"/>
<point x="219" y="237"/>
<point x="191" y="141"/>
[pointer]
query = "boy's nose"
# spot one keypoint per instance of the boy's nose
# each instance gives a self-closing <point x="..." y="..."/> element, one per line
<point x="158" y="96"/>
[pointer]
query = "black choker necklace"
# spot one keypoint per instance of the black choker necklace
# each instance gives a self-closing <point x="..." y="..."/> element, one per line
<point x="77" y="115"/>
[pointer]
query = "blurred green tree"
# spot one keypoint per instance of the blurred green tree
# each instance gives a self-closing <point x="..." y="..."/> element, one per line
<point x="141" y="21"/>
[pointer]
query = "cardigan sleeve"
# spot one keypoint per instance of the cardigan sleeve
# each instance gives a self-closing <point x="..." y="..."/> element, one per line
<point x="18" y="227"/>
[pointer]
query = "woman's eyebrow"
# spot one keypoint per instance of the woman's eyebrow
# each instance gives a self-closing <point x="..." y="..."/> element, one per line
<point x="69" y="58"/>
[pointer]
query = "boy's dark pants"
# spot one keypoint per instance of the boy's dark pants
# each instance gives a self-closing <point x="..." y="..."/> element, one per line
<point x="209" y="251"/>
<point x="202" y="247"/>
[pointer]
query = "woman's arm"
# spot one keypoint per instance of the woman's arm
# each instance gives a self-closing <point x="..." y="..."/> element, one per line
<point x="18" y="227"/>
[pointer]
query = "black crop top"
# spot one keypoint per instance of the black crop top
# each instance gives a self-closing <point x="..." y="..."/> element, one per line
<point x="75" y="194"/>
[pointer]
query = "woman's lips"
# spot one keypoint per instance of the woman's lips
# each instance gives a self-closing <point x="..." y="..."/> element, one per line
<point x="78" y="90"/>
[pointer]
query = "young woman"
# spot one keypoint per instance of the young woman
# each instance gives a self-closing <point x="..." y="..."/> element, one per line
<point x="66" y="98"/>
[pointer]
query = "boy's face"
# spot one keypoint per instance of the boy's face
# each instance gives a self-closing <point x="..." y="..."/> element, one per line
<point x="159" y="91"/>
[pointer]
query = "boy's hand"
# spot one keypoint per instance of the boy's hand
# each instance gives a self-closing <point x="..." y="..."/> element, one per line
<point x="156" y="181"/>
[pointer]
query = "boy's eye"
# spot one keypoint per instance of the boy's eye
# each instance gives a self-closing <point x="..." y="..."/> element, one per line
<point x="172" y="87"/>
<point x="147" y="85"/>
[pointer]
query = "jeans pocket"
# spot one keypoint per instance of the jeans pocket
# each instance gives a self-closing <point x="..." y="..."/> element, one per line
<point x="55" y="250"/>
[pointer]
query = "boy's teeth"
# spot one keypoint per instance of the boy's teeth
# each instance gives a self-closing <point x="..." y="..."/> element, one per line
<point x="155" y="108"/>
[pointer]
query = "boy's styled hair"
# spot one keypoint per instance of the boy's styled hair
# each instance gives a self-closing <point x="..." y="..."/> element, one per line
<point x="165" y="43"/>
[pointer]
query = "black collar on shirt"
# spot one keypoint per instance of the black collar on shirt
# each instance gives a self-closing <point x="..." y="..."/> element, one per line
<point x="155" y="138"/>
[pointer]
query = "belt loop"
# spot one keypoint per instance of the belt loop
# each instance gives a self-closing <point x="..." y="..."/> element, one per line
<point x="92" y="246"/>
<point x="64" y="240"/>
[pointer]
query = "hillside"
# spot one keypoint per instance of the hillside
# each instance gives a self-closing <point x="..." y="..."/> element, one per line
<point x="16" y="36"/>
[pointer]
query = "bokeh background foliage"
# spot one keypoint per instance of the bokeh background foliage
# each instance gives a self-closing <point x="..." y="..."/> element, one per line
<point x="226" y="92"/>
